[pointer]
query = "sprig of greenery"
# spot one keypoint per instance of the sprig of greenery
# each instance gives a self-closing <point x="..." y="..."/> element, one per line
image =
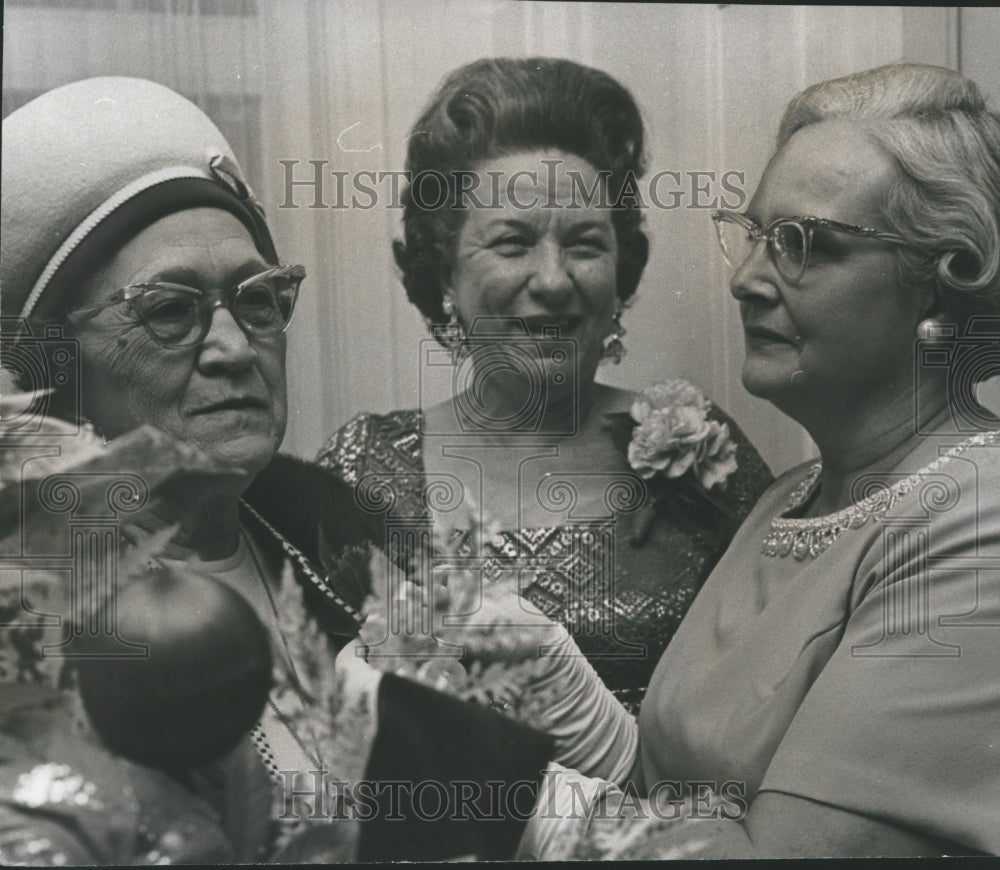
<point x="459" y="634"/>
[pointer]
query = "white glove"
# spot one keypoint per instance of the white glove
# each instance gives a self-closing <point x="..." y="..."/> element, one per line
<point x="594" y="733"/>
<point x="567" y="801"/>
<point x="493" y="624"/>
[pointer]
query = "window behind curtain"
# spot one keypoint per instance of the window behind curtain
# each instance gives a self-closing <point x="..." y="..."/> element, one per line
<point x="210" y="41"/>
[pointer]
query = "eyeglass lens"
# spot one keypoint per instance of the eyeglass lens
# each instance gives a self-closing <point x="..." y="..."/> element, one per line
<point x="787" y="242"/>
<point x="178" y="316"/>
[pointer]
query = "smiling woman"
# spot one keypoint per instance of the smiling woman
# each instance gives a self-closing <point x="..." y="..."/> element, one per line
<point x="552" y="266"/>
<point x="610" y="505"/>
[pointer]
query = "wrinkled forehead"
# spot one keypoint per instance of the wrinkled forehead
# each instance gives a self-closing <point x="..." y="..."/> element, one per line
<point x="832" y="169"/>
<point x="204" y="245"/>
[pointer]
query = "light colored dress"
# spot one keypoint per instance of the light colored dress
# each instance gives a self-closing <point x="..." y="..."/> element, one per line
<point x="851" y="659"/>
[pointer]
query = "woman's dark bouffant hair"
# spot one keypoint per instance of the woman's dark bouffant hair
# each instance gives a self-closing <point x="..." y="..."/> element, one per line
<point x="499" y="106"/>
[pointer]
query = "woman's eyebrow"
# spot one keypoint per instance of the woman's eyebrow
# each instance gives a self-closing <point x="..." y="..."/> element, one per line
<point x="249" y="269"/>
<point x="193" y="278"/>
<point x="173" y="275"/>
<point x="507" y="223"/>
<point x="577" y="226"/>
<point x="587" y="225"/>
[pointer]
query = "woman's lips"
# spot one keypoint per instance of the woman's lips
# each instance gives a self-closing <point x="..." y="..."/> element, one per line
<point x="760" y="335"/>
<point x="552" y="326"/>
<point x="234" y="404"/>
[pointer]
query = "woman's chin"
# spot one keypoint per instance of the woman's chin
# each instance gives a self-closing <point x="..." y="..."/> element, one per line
<point x="249" y="452"/>
<point x="772" y="382"/>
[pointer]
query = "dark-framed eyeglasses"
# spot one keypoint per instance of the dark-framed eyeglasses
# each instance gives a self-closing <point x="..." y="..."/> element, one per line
<point x="789" y="239"/>
<point x="179" y="316"/>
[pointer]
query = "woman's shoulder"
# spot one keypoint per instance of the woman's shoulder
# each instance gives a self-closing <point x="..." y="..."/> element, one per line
<point x="302" y="510"/>
<point x="952" y="499"/>
<point x="612" y="399"/>
<point x="290" y="493"/>
<point x="371" y="440"/>
<point x="792" y="487"/>
<point x="959" y="485"/>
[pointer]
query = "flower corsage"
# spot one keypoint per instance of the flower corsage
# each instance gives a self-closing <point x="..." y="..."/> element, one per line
<point x="684" y="455"/>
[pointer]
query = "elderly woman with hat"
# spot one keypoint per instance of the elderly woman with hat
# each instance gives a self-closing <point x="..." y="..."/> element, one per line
<point x="129" y="230"/>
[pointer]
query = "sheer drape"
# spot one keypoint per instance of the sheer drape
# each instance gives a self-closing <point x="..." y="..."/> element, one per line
<point x="340" y="82"/>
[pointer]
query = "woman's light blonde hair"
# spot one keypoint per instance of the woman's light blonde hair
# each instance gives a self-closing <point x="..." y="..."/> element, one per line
<point x="934" y="124"/>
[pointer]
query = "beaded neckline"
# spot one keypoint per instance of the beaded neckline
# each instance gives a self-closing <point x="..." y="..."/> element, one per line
<point x="807" y="538"/>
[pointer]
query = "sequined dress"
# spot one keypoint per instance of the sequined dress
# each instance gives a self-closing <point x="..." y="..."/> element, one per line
<point x="621" y="598"/>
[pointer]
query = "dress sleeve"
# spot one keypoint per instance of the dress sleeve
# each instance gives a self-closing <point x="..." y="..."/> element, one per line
<point x="76" y="804"/>
<point x="345" y="450"/>
<point x="903" y="722"/>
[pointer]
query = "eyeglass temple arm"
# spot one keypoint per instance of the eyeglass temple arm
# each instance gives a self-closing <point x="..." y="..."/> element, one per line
<point x="85" y="312"/>
<point x="812" y="222"/>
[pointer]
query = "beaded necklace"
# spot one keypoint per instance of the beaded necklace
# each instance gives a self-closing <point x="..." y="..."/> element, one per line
<point x="809" y="537"/>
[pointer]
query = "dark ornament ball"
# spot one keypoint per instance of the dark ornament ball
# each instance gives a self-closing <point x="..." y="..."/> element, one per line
<point x="202" y="683"/>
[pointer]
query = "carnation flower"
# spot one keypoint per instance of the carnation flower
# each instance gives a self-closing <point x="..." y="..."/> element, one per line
<point x="719" y="460"/>
<point x="676" y="392"/>
<point x="674" y="435"/>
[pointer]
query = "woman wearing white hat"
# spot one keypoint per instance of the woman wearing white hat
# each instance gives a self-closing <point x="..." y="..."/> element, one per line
<point x="127" y="226"/>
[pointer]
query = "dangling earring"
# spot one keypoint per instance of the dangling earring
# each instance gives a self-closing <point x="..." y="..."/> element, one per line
<point x="453" y="335"/>
<point x="614" y="347"/>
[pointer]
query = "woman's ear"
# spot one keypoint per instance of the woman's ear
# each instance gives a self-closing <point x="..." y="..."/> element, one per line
<point x="445" y="287"/>
<point x="930" y="305"/>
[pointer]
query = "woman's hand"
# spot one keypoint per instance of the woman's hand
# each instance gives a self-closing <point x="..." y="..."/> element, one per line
<point x="353" y="669"/>
<point x="490" y="622"/>
<point x="515" y="658"/>
<point x="399" y="632"/>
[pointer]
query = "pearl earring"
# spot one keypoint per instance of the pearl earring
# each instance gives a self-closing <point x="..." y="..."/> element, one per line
<point x="930" y="329"/>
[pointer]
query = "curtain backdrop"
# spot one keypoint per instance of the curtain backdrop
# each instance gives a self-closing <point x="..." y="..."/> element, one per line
<point x="340" y="83"/>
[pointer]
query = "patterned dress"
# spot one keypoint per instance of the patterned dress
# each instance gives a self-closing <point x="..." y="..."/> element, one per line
<point x="620" y="591"/>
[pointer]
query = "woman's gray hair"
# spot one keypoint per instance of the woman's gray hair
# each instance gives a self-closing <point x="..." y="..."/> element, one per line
<point x="934" y="124"/>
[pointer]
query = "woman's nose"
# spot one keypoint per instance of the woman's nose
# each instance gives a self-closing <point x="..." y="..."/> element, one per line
<point x="226" y="345"/>
<point x="552" y="273"/>
<point x="756" y="276"/>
